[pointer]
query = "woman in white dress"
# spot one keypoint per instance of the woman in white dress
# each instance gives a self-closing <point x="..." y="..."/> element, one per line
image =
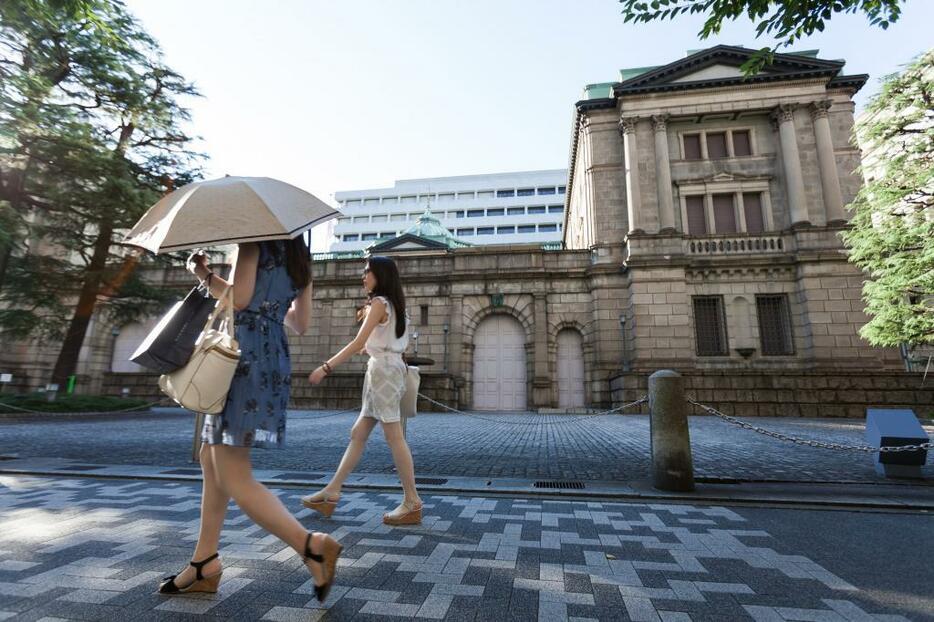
<point x="384" y="336"/>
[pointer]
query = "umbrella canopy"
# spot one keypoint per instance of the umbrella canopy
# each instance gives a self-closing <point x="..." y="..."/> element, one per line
<point x="229" y="210"/>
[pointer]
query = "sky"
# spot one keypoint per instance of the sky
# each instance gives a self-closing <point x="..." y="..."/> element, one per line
<point x="356" y="94"/>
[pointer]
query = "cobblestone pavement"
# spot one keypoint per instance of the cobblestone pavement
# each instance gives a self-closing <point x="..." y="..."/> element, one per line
<point x="88" y="549"/>
<point x="526" y="446"/>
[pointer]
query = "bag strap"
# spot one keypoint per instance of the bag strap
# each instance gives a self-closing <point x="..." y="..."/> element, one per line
<point x="224" y="303"/>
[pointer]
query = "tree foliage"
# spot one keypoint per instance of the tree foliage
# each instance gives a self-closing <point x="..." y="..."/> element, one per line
<point x="785" y="20"/>
<point x="892" y="235"/>
<point x="90" y="136"/>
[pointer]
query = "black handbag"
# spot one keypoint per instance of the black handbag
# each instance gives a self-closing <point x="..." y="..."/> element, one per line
<point x="170" y="344"/>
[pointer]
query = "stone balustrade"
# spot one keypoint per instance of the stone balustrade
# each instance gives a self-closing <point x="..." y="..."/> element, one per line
<point x="736" y="245"/>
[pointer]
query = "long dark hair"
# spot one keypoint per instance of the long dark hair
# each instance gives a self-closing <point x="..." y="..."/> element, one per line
<point x="389" y="284"/>
<point x="297" y="260"/>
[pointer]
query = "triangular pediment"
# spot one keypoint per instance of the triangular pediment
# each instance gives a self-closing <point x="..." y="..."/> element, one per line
<point x="408" y="242"/>
<point x="721" y="65"/>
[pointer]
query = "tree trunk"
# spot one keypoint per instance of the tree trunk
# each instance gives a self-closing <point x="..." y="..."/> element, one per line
<point x="67" y="361"/>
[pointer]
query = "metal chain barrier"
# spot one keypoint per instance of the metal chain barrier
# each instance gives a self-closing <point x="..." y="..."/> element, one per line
<point x="88" y="412"/>
<point x="537" y="418"/>
<point x="809" y="442"/>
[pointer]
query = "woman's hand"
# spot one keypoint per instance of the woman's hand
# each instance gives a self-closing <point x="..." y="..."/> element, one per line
<point x="197" y="264"/>
<point x="317" y="376"/>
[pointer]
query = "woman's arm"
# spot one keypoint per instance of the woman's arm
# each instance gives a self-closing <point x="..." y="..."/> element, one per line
<point x="375" y="316"/>
<point x="299" y="314"/>
<point x="243" y="275"/>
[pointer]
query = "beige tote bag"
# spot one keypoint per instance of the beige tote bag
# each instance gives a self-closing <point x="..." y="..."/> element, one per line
<point x="410" y="396"/>
<point x="203" y="383"/>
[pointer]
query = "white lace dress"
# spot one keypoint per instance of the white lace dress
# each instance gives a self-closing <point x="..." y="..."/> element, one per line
<point x="384" y="382"/>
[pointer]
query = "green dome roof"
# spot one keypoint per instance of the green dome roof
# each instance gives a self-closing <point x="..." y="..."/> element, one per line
<point x="429" y="227"/>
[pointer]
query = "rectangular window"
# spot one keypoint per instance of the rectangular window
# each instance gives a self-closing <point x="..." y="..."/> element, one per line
<point x="692" y="149"/>
<point x="526" y="228"/>
<point x="408" y="199"/>
<point x="710" y="326"/>
<point x="447" y="196"/>
<point x="536" y="209"/>
<point x="351" y="237"/>
<point x="547" y="228"/>
<point x="423" y="315"/>
<point x="371" y="201"/>
<point x="397" y="218"/>
<point x="501" y="194"/>
<point x="465" y="195"/>
<point x="358" y="219"/>
<point x="555" y="209"/>
<point x="368" y="236"/>
<point x="774" y="325"/>
<point x="475" y="213"/>
<point x="543" y="191"/>
<point x="741" y="144"/>
<point x="697" y="221"/>
<point x="495" y="212"/>
<point x="465" y="231"/>
<point x="752" y="209"/>
<point x="484" y="230"/>
<point x="387" y="234"/>
<point x="525" y="192"/>
<point x="516" y="211"/>
<point x="505" y="230"/>
<point x="379" y="218"/>
<point x="353" y="203"/>
<point x="716" y="145"/>
<point x="724" y="214"/>
<point x="343" y="221"/>
<point x="562" y="189"/>
<point x="459" y="214"/>
<point x="390" y="200"/>
<point x="486" y="194"/>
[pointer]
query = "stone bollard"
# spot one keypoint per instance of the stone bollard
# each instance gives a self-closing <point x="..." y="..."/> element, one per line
<point x="672" y="465"/>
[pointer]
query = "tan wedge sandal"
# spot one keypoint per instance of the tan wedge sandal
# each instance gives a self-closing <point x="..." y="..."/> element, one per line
<point x="404" y="515"/>
<point x="200" y="584"/>
<point x="330" y="552"/>
<point x="322" y="503"/>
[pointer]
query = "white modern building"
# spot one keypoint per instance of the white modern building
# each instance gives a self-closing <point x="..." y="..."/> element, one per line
<point x="500" y="208"/>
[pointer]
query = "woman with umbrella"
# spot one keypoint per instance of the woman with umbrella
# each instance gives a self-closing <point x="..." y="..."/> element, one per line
<point x="271" y="286"/>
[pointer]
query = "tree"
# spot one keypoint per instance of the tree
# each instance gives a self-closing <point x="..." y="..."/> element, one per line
<point x="90" y="130"/>
<point x="786" y="20"/>
<point x="892" y="234"/>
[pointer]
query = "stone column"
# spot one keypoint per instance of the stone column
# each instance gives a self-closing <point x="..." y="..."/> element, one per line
<point x="627" y="128"/>
<point x="827" y="162"/>
<point x="791" y="162"/>
<point x="666" y="208"/>
<point x="541" y="385"/>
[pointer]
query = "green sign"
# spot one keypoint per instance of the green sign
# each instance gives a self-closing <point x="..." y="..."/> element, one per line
<point x="496" y="300"/>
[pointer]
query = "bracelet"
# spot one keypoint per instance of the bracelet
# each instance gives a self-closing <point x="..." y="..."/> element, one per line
<point x="327" y="368"/>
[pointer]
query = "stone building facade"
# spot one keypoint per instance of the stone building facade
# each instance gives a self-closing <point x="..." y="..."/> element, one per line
<point x="701" y="234"/>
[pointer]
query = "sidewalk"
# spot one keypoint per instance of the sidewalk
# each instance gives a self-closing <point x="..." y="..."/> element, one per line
<point x="95" y="549"/>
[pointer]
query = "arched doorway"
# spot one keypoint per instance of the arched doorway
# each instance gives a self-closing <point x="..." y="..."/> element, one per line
<point x="570" y="369"/>
<point x="499" y="375"/>
<point x="127" y="341"/>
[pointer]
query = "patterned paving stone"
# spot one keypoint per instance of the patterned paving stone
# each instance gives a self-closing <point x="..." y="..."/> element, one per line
<point x="74" y="549"/>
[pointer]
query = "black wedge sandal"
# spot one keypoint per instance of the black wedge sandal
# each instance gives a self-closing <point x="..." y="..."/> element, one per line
<point x="330" y="551"/>
<point x="200" y="584"/>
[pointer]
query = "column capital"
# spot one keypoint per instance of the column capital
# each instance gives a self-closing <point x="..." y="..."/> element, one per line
<point x="784" y="113"/>
<point x="584" y="122"/>
<point x="818" y="109"/>
<point x="627" y="125"/>
<point x="659" y="122"/>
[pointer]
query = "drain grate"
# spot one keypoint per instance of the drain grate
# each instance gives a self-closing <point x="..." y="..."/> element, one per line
<point x="182" y="472"/>
<point x="299" y="476"/>
<point x="562" y="484"/>
<point x="431" y="481"/>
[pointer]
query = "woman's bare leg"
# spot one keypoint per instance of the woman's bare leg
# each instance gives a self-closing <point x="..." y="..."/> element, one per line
<point x="259" y="503"/>
<point x="359" y="434"/>
<point x="213" y="510"/>
<point x="402" y="457"/>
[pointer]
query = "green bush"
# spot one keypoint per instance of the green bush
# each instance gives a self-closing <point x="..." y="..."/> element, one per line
<point x="68" y="403"/>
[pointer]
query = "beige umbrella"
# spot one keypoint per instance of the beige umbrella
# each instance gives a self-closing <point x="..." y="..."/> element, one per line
<point x="228" y="211"/>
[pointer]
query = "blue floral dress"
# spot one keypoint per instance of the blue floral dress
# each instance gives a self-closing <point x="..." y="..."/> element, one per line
<point x="254" y="415"/>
